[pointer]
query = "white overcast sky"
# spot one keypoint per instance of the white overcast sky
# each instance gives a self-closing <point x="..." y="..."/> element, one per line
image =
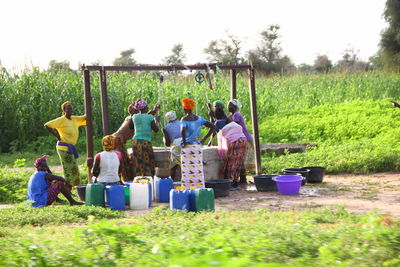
<point x="83" y="31"/>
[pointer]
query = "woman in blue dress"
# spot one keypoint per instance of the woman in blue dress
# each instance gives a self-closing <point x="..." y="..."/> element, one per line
<point x="191" y="154"/>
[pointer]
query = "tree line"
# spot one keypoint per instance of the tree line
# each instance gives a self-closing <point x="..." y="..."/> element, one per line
<point x="269" y="57"/>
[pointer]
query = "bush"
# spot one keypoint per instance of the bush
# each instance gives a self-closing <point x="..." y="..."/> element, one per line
<point x="354" y="137"/>
<point x="24" y="215"/>
<point x="323" y="237"/>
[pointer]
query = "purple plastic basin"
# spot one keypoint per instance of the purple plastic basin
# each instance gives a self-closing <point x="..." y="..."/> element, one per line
<point x="288" y="184"/>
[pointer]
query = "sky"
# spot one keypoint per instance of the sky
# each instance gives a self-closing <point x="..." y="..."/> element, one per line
<point x="86" y="31"/>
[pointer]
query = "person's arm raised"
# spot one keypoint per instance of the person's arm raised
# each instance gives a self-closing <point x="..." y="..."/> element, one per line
<point x="210" y="131"/>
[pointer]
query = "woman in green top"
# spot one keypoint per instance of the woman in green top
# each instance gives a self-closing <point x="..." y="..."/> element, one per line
<point x="142" y="151"/>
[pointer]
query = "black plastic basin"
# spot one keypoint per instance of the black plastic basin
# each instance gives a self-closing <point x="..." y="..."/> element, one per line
<point x="81" y="189"/>
<point x="221" y="187"/>
<point x="298" y="171"/>
<point x="316" y="174"/>
<point x="264" y="182"/>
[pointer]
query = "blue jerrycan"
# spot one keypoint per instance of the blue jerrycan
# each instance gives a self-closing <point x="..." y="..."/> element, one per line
<point x="163" y="187"/>
<point x="179" y="200"/>
<point x="115" y="197"/>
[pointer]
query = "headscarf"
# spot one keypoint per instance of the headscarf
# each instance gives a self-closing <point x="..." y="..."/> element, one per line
<point x="63" y="105"/>
<point x="236" y="103"/>
<point x="40" y="161"/>
<point x="170" y="116"/>
<point x="108" y="142"/>
<point x="220" y="103"/>
<point x="140" y="104"/>
<point x="188" y="103"/>
<point x="131" y="108"/>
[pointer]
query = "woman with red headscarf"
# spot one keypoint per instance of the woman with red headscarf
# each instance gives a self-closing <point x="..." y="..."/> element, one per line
<point x="142" y="156"/>
<point x="191" y="154"/>
<point x="122" y="135"/>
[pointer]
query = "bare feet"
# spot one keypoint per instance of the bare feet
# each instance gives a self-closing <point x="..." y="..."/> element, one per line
<point x="76" y="203"/>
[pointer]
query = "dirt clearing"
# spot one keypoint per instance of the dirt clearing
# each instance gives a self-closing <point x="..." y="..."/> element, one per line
<point x="357" y="193"/>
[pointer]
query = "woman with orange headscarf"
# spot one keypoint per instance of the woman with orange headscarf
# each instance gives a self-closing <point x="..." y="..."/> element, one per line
<point x="107" y="164"/>
<point x="191" y="154"/>
<point x="66" y="130"/>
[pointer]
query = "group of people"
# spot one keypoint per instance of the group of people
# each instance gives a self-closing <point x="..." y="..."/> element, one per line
<point x="114" y="165"/>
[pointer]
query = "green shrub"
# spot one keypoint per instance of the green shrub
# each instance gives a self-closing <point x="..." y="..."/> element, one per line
<point x="323" y="237"/>
<point x="24" y="215"/>
<point x="24" y="113"/>
<point x="354" y="137"/>
<point x="13" y="184"/>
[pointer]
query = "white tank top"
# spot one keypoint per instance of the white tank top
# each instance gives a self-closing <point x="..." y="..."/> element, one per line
<point x="109" y="165"/>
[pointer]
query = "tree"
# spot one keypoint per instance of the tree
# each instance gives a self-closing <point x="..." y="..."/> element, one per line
<point x="351" y="62"/>
<point x="390" y="38"/>
<point x="322" y="64"/>
<point x="125" y="59"/>
<point x="225" y="51"/>
<point x="303" y="67"/>
<point x="57" y="66"/>
<point x="376" y="61"/>
<point x="267" y="56"/>
<point x="177" y="56"/>
<point x="270" y="47"/>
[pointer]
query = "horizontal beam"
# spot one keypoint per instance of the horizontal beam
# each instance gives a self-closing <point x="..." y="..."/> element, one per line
<point x="143" y="67"/>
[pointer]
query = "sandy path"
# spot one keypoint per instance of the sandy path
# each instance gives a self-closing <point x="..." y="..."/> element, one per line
<point x="357" y="193"/>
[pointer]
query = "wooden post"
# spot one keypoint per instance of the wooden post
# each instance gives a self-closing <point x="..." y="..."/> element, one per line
<point x="253" y="103"/>
<point x="233" y="83"/>
<point x="104" y="103"/>
<point x="89" y="125"/>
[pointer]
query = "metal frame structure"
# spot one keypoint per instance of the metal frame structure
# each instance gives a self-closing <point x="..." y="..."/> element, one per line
<point x="104" y="101"/>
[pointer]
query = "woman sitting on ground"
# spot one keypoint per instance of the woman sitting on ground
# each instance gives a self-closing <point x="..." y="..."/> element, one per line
<point x="191" y="154"/>
<point x="43" y="186"/>
<point x="142" y="156"/>
<point x="173" y="138"/>
<point x="107" y="164"/>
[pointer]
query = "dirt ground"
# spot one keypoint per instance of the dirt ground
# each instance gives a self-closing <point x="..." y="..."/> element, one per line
<point x="357" y="193"/>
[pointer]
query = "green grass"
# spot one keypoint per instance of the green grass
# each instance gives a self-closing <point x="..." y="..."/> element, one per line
<point x="353" y="137"/>
<point x="33" y="97"/>
<point x="321" y="237"/>
<point x="54" y="215"/>
<point x="348" y="116"/>
<point x="14" y="182"/>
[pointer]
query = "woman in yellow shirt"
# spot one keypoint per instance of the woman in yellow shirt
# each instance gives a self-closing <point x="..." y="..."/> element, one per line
<point x="66" y="130"/>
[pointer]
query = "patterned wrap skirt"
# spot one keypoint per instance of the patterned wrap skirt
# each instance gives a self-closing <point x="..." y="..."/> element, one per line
<point x="175" y="157"/>
<point x="70" y="166"/>
<point x="192" y="166"/>
<point x="53" y="190"/>
<point x="249" y="161"/>
<point x="142" y="158"/>
<point x="234" y="160"/>
<point x="126" y="164"/>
